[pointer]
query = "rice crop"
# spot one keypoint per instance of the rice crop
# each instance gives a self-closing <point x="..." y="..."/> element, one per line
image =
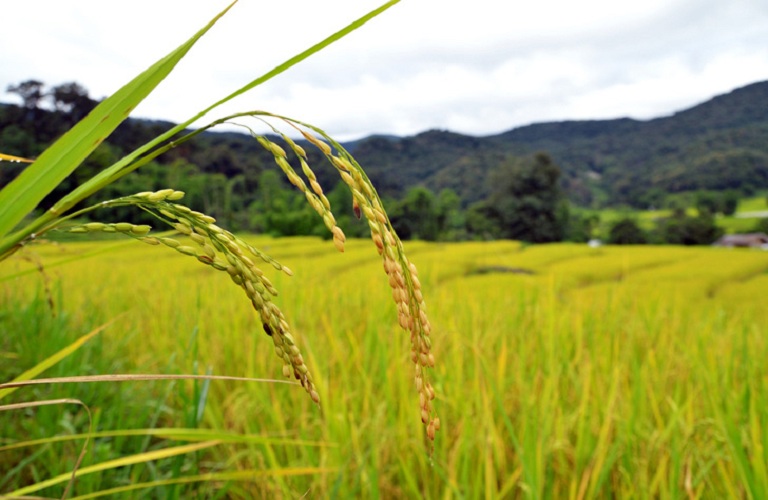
<point x="562" y="372"/>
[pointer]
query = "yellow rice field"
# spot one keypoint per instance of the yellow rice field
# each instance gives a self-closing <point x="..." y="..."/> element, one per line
<point x="563" y="371"/>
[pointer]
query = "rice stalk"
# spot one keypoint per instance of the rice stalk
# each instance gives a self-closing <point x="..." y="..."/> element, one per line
<point x="70" y="477"/>
<point x="401" y="272"/>
<point x="222" y="250"/>
<point x="14" y="159"/>
<point x="112" y="464"/>
<point x="208" y="243"/>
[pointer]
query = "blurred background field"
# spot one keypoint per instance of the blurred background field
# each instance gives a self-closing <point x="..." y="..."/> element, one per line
<point x="563" y="371"/>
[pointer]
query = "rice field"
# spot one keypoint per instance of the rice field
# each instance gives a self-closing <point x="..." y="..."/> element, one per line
<point x="562" y="371"/>
<point x="749" y="213"/>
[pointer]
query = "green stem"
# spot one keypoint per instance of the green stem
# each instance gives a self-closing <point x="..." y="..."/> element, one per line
<point x="136" y="158"/>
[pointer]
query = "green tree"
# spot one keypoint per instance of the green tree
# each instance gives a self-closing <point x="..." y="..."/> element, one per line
<point x="685" y="230"/>
<point x="627" y="232"/>
<point x="653" y="199"/>
<point x="527" y="199"/>
<point x="14" y="140"/>
<point x="707" y="203"/>
<point x="581" y="226"/>
<point x="72" y="98"/>
<point x="30" y="91"/>
<point x="417" y="216"/>
<point x="282" y="211"/>
<point x="451" y="219"/>
<point x="271" y="203"/>
<point x="483" y="221"/>
<point x="729" y="201"/>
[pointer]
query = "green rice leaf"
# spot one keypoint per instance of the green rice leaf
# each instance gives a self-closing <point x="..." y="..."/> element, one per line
<point x="113" y="464"/>
<point x="132" y="162"/>
<point x="215" y="477"/>
<point x="14" y="159"/>
<point x="26" y="191"/>
<point x="52" y="360"/>
<point x="177" y="434"/>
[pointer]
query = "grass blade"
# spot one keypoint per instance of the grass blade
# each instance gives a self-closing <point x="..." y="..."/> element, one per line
<point x="15" y="159"/>
<point x="26" y="191"/>
<point x="129" y="163"/>
<point x="70" y="477"/>
<point x="242" y="475"/>
<point x="50" y="361"/>
<point x="136" y="377"/>
<point x="113" y="464"/>
<point x="305" y="54"/>
<point x="177" y="434"/>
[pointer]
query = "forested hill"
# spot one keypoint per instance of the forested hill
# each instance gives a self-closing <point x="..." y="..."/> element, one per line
<point x="719" y="144"/>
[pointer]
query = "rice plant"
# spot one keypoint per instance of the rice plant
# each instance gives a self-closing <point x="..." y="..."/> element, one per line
<point x="599" y="373"/>
<point x="209" y="244"/>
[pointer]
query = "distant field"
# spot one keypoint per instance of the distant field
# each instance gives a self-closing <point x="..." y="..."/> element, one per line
<point x="754" y="204"/>
<point x="748" y="214"/>
<point x="562" y="371"/>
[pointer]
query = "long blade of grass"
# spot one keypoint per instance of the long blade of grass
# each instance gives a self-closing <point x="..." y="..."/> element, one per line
<point x="113" y="464"/>
<point x="305" y="54"/>
<point x="14" y="159"/>
<point x="35" y="404"/>
<point x="177" y="434"/>
<point x="129" y="163"/>
<point x="121" y="168"/>
<point x="39" y="368"/>
<point x="26" y="191"/>
<point x="70" y="477"/>
<point x="241" y="475"/>
<point x="136" y="377"/>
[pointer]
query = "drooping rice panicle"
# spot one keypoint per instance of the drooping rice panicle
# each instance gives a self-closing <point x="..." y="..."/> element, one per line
<point x="315" y="197"/>
<point x="223" y="251"/>
<point x="402" y="274"/>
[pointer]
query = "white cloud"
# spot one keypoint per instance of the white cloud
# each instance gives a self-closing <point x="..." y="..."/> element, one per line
<point x="479" y="67"/>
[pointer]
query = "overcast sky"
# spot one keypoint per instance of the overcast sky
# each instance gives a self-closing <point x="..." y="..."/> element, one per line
<point x="477" y="67"/>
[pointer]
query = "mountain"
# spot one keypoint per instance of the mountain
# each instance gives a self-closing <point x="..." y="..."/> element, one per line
<point x="719" y="144"/>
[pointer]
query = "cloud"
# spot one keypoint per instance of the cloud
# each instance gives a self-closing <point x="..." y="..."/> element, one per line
<point x="478" y="68"/>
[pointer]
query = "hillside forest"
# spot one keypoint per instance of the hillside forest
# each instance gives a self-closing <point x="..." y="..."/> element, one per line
<point x="539" y="183"/>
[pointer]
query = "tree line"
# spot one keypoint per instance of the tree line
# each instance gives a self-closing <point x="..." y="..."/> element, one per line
<point x="229" y="176"/>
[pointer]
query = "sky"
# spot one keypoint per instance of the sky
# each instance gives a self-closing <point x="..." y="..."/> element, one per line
<point x="478" y="68"/>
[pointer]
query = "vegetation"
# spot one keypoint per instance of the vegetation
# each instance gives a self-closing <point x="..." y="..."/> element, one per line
<point x="682" y="229"/>
<point x="472" y="188"/>
<point x="210" y="244"/>
<point x="524" y="203"/>
<point x="562" y="371"/>
<point x="627" y="232"/>
<point x="629" y="387"/>
<point x="717" y="145"/>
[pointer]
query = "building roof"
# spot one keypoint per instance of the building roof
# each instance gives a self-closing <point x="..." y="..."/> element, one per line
<point x="743" y="240"/>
